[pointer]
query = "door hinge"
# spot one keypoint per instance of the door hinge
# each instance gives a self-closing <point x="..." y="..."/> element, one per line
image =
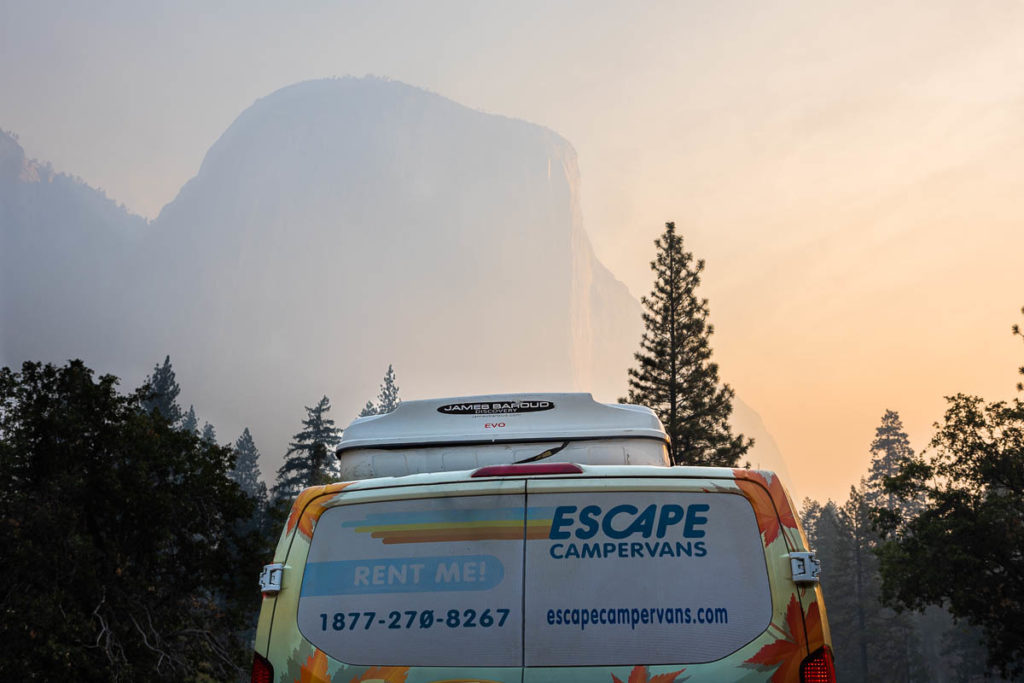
<point x="806" y="567"/>
<point x="270" y="578"/>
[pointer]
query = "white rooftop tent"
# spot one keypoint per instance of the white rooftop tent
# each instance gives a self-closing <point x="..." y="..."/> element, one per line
<point x="475" y="431"/>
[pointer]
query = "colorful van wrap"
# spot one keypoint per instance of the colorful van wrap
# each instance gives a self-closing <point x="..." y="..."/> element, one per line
<point x="620" y="573"/>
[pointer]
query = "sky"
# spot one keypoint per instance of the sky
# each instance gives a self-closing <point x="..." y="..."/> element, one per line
<point x="851" y="172"/>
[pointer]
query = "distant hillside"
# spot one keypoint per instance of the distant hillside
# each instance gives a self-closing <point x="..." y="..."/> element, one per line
<point x="340" y="225"/>
<point x="335" y="227"/>
<point x="64" y="252"/>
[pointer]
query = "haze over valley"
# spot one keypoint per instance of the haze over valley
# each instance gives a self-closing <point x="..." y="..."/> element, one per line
<point x="851" y="176"/>
<point x="336" y="227"/>
<point x="797" y="222"/>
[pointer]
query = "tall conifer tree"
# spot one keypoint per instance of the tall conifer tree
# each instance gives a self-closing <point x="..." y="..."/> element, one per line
<point x="310" y="457"/>
<point x="209" y="434"/>
<point x="387" y="396"/>
<point x="163" y="392"/>
<point x="890" y="451"/>
<point x="190" y="423"/>
<point x="674" y="374"/>
<point x="246" y="471"/>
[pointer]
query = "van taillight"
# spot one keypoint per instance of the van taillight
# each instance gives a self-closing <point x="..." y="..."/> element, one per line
<point x="262" y="670"/>
<point x="539" y="468"/>
<point x="818" y="667"/>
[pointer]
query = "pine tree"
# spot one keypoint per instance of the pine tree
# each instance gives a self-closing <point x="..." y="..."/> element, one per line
<point x="810" y="514"/>
<point x="247" y="467"/>
<point x="890" y="451"/>
<point x="675" y="376"/>
<point x="163" y="392"/>
<point x="209" y="434"/>
<point x="387" y="396"/>
<point x="190" y="423"/>
<point x="310" y="456"/>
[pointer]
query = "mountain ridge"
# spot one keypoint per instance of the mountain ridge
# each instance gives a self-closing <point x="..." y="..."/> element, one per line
<point x="340" y="225"/>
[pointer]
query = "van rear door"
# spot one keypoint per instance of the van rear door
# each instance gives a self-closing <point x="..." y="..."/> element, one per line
<point x="552" y="578"/>
<point x="638" y="572"/>
<point x="419" y="576"/>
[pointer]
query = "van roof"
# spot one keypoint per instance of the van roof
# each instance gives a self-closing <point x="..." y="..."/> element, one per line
<point x="501" y="418"/>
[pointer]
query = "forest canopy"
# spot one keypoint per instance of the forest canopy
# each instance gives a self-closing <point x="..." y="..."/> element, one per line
<point x="127" y="550"/>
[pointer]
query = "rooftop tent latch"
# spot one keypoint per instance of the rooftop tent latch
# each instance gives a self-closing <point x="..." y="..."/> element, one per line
<point x="270" y="578"/>
<point x="806" y="568"/>
<point x="542" y="455"/>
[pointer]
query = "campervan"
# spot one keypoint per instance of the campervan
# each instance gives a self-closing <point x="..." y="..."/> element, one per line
<point x="538" y="538"/>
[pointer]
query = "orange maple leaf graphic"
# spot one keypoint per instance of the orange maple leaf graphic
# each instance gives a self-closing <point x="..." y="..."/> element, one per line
<point x="383" y="674"/>
<point x="315" y="669"/>
<point x="306" y="510"/>
<point x="766" y="501"/>
<point x="788" y="652"/>
<point x="815" y="629"/>
<point x="640" y="674"/>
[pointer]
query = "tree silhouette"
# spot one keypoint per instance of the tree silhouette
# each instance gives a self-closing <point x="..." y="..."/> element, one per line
<point x="311" y="453"/>
<point x="387" y="396"/>
<point x="190" y="423"/>
<point x="246" y="471"/>
<point x="889" y="452"/>
<point x="962" y="550"/>
<point x="209" y="434"/>
<point x="120" y="535"/>
<point x="674" y="375"/>
<point x="163" y="392"/>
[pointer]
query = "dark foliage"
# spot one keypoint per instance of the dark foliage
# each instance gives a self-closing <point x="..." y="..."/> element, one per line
<point x="209" y="434"/>
<point x="161" y="392"/>
<point x="122" y="560"/>
<point x="190" y="423"/>
<point x="246" y="471"/>
<point x="889" y="452"/>
<point x="964" y="549"/>
<point x="310" y="459"/>
<point x="871" y="642"/>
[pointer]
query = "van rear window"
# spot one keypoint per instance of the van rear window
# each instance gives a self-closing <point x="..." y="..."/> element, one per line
<point x="427" y="582"/>
<point x="643" y="578"/>
<point x="548" y="579"/>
